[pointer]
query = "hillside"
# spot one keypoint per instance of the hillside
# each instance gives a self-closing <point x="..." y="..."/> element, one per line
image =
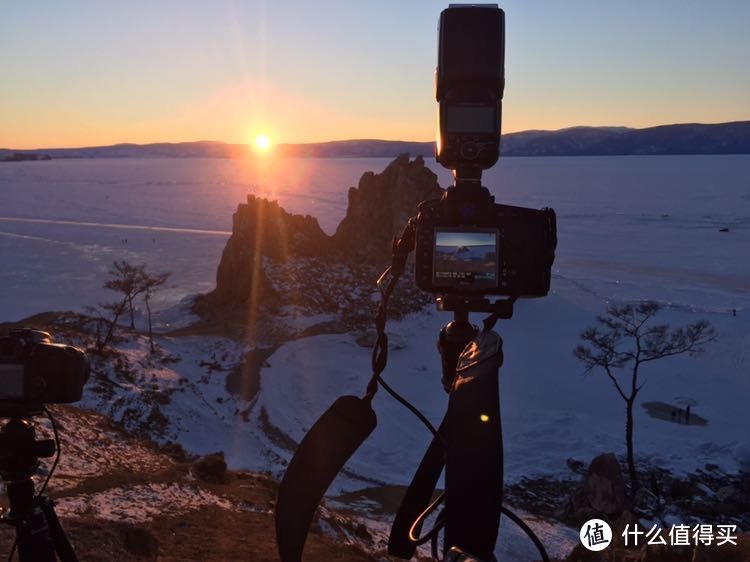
<point x="688" y="138"/>
<point x="124" y="498"/>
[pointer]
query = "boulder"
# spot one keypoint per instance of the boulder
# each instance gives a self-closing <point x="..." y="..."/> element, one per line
<point x="211" y="468"/>
<point x="602" y="492"/>
<point x="140" y="542"/>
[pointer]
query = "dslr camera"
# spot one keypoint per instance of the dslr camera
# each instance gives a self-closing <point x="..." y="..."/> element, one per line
<point x="35" y="371"/>
<point x="466" y="244"/>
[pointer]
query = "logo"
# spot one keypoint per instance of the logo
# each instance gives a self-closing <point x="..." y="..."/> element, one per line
<point x="596" y="534"/>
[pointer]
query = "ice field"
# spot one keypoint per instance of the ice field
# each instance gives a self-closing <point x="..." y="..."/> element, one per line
<point x="630" y="228"/>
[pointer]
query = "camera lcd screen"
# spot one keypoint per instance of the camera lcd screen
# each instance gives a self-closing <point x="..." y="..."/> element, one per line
<point x="11" y="381"/>
<point x="470" y="119"/>
<point x="466" y="259"/>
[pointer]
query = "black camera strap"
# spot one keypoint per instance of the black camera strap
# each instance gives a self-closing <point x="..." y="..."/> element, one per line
<point x="333" y="439"/>
<point x="337" y="434"/>
<point x="469" y="445"/>
<point x="416" y="499"/>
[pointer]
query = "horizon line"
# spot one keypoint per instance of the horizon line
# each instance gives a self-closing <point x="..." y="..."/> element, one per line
<point x="360" y="139"/>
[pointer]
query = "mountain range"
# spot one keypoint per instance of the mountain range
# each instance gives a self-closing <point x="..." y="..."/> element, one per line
<point x="686" y="138"/>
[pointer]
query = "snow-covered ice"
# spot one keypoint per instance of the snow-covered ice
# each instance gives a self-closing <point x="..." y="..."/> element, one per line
<point x="630" y="228"/>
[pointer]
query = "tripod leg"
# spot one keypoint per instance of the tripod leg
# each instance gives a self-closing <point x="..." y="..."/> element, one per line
<point x="59" y="538"/>
<point x="32" y="533"/>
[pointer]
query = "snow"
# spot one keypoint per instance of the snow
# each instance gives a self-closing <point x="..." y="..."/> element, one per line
<point x="139" y="503"/>
<point x="629" y="228"/>
<point x="551" y="411"/>
<point x="88" y="450"/>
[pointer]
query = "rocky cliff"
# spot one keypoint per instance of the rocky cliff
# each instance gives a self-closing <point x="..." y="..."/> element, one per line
<point x="379" y="208"/>
<point x="276" y="265"/>
<point x="262" y="229"/>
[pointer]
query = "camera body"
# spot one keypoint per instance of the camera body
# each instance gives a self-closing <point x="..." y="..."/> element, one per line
<point x="35" y="371"/>
<point x="466" y="244"/>
<point x="469" y="83"/>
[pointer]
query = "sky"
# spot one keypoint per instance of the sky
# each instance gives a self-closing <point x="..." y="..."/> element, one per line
<point x="85" y="73"/>
<point x="465" y="238"/>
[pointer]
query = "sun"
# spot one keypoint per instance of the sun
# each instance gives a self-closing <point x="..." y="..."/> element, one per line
<point x="262" y="143"/>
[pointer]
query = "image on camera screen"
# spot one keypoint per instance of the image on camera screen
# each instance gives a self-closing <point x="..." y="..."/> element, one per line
<point x="466" y="259"/>
<point x="11" y="381"/>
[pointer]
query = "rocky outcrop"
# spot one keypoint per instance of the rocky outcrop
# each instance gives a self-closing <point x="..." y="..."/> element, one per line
<point x="211" y="468"/>
<point x="602" y="493"/>
<point x="379" y="208"/>
<point x="274" y="259"/>
<point x="261" y="228"/>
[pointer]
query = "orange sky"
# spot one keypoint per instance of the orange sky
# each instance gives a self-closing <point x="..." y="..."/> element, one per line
<point x="83" y="74"/>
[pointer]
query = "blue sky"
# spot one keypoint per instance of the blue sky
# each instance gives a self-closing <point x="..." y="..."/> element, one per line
<point x="86" y="72"/>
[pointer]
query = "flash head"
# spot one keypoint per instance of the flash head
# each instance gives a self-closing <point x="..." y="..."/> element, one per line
<point x="469" y="83"/>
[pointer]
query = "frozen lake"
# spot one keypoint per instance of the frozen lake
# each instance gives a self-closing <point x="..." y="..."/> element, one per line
<point x="629" y="226"/>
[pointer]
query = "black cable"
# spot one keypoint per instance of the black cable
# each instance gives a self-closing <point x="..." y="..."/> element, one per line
<point x="526" y="529"/>
<point x="434" y="542"/>
<point x="411" y="407"/>
<point x="439" y="524"/>
<point x="380" y="352"/>
<point x="57" y="446"/>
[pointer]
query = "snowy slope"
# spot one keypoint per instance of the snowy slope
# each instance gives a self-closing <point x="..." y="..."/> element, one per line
<point x="550" y="410"/>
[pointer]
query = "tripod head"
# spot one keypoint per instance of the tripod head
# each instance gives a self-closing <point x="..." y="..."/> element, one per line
<point x="39" y="534"/>
<point x="20" y="450"/>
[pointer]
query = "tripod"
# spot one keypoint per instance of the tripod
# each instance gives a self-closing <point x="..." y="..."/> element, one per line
<point x="39" y="535"/>
<point x="468" y="443"/>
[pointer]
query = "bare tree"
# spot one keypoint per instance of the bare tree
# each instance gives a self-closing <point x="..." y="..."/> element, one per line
<point x="130" y="281"/>
<point x="148" y="284"/>
<point x="107" y="315"/>
<point x="623" y="340"/>
<point x="125" y="279"/>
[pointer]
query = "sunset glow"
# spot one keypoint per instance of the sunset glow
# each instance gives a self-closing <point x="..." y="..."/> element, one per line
<point x="262" y="143"/>
<point x="307" y="75"/>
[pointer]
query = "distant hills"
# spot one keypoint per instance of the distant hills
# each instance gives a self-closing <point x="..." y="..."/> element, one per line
<point x="688" y="138"/>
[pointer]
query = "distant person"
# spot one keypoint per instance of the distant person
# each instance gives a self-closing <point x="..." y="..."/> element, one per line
<point x="687" y="414"/>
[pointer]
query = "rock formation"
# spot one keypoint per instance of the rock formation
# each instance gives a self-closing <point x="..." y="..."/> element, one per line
<point x="379" y="208"/>
<point x="261" y="228"/>
<point x="274" y="259"/>
<point x="602" y="493"/>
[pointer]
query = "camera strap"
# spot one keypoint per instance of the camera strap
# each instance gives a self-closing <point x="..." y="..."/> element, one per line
<point x="338" y="433"/>
<point x="469" y="445"/>
<point x="331" y="441"/>
<point x="416" y="499"/>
